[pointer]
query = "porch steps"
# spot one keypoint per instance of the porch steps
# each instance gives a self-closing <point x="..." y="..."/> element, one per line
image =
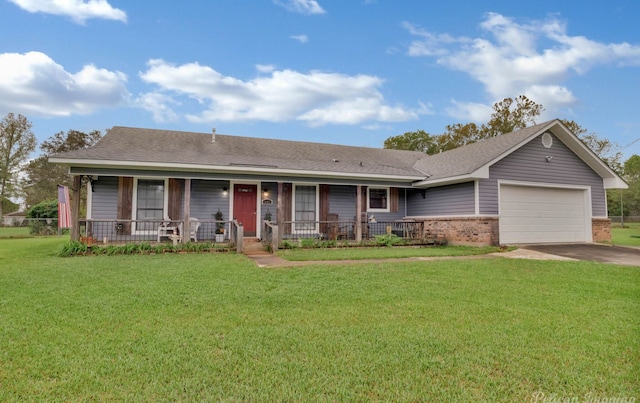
<point x="253" y="247"/>
<point x="254" y="250"/>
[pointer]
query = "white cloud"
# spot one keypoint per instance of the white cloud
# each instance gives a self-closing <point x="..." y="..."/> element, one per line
<point x="316" y="98"/>
<point x="265" y="68"/>
<point x="78" y="10"/>
<point x="533" y="58"/>
<point x="472" y="111"/>
<point x="301" y="6"/>
<point x="159" y="106"/>
<point x="300" y="38"/>
<point x="34" y="83"/>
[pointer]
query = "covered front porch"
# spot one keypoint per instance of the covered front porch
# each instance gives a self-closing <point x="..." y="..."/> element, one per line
<point x="149" y="206"/>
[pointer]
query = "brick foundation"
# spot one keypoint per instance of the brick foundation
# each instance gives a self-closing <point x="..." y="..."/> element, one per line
<point x="476" y="231"/>
<point x="601" y="229"/>
<point x="480" y="231"/>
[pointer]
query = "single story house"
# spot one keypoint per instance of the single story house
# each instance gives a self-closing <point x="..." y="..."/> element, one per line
<point x="15" y="218"/>
<point x="540" y="184"/>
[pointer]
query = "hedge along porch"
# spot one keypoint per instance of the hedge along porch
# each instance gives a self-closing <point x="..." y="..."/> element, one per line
<point x="494" y="191"/>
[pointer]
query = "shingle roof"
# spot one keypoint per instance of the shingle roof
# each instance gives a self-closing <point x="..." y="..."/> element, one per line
<point x="177" y="147"/>
<point x="467" y="159"/>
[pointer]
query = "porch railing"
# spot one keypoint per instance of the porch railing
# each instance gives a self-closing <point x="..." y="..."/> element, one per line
<point x="270" y="235"/>
<point x="132" y="231"/>
<point x="347" y="230"/>
<point x="236" y="235"/>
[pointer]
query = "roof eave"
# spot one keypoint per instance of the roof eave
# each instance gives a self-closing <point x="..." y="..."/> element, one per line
<point x="480" y="173"/>
<point x="235" y="169"/>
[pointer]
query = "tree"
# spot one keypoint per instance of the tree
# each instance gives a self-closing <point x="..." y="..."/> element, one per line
<point x="17" y="142"/>
<point x="43" y="215"/>
<point x="42" y="177"/>
<point x="508" y="115"/>
<point x="631" y="196"/>
<point x="414" y="141"/>
<point x="607" y="150"/>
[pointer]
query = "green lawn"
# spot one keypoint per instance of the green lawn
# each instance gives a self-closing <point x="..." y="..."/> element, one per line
<point x="14" y="232"/>
<point x="210" y="327"/>
<point x="629" y="235"/>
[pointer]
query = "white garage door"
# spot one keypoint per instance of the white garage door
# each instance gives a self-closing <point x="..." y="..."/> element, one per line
<point x="543" y="215"/>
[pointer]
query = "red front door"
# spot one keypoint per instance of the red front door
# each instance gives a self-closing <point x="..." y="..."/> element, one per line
<point x="245" y="198"/>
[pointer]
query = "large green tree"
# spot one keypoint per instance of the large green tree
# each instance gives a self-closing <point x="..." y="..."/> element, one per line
<point x="413" y="141"/>
<point x="609" y="151"/>
<point x="41" y="178"/>
<point x="627" y="201"/>
<point x="508" y="115"/>
<point x="17" y="142"/>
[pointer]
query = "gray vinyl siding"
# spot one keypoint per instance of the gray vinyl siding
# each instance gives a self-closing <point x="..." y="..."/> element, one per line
<point x="450" y="200"/>
<point x="272" y="187"/>
<point x="104" y="199"/>
<point x="342" y="201"/>
<point x="207" y="198"/>
<point x="529" y="164"/>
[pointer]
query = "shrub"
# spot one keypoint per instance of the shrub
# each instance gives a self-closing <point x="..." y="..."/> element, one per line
<point x="286" y="244"/>
<point x="72" y="248"/>
<point x="388" y="240"/>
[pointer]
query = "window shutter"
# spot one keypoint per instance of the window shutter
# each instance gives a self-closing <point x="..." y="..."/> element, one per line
<point x="125" y="202"/>
<point x="176" y="191"/>
<point x="393" y="200"/>
<point x="324" y="202"/>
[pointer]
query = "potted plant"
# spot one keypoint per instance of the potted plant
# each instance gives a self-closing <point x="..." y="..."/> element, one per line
<point x="267" y="215"/>
<point x="219" y="226"/>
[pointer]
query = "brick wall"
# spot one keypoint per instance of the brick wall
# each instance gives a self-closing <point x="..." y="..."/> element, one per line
<point x="476" y="231"/>
<point x="601" y="229"/>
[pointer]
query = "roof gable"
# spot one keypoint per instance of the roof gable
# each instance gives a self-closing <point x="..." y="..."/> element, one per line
<point x="473" y="161"/>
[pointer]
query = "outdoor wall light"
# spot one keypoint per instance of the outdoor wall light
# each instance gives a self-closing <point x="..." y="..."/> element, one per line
<point x="225" y="191"/>
<point x="266" y="193"/>
<point x="549" y="158"/>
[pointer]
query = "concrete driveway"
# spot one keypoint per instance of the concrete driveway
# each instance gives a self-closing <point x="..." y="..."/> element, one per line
<point x="591" y="251"/>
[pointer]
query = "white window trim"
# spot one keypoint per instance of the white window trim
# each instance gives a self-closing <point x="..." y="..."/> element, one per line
<point x="134" y="204"/>
<point x="293" y="208"/>
<point x="378" y="210"/>
<point x="89" y="200"/>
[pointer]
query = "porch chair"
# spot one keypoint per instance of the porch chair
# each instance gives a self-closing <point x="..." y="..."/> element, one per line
<point x="194" y="225"/>
<point x="166" y="228"/>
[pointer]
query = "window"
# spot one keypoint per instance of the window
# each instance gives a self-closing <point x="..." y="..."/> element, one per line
<point x="305" y="207"/>
<point x="378" y="199"/>
<point x="149" y="203"/>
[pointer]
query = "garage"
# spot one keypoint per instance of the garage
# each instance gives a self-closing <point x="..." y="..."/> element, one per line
<point x="536" y="214"/>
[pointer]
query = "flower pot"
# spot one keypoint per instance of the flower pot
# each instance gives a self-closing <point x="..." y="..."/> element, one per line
<point x="219" y="237"/>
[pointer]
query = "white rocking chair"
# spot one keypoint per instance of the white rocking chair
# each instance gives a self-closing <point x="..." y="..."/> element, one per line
<point x="166" y="229"/>
<point x="194" y="225"/>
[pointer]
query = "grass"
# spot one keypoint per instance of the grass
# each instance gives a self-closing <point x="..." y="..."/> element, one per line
<point x="382" y="252"/>
<point x="629" y="235"/>
<point x="14" y="232"/>
<point x="215" y="327"/>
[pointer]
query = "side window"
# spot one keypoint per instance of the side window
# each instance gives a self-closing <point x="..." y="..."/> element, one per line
<point x="305" y="207"/>
<point x="378" y="199"/>
<point x="150" y="203"/>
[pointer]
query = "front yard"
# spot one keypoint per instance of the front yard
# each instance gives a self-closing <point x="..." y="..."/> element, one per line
<point x="216" y="327"/>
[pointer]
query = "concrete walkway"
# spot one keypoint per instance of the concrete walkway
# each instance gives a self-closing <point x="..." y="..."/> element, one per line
<point x="265" y="259"/>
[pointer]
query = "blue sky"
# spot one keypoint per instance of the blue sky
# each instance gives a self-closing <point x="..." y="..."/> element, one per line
<point x="345" y="72"/>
